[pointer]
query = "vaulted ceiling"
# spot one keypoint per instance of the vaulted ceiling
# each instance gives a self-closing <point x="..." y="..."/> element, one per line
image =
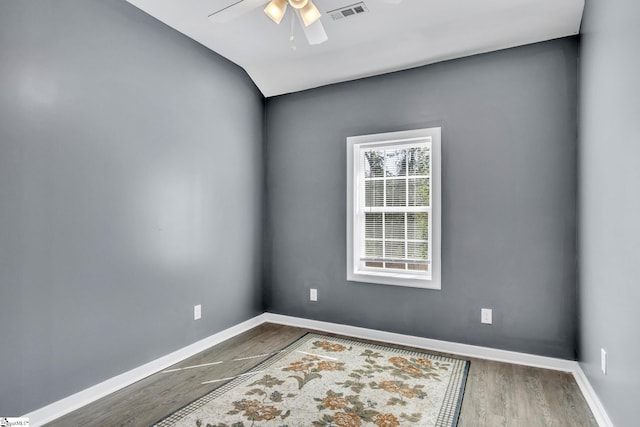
<point x="388" y="36"/>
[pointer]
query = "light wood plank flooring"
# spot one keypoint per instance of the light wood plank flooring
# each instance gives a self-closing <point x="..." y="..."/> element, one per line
<point x="497" y="394"/>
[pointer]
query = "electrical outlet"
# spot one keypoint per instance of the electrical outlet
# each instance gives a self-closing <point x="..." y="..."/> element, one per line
<point x="313" y="294"/>
<point x="603" y="361"/>
<point x="486" y="316"/>
<point x="197" y="312"/>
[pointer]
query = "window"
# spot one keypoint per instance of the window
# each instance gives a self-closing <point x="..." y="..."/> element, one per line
<point x="393" y="208"/>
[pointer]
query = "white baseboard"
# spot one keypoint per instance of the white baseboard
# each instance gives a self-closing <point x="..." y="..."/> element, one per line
<point x="64" y="406"/>
<point x="429" y="344"/>
<point x="599" y="413"/>
<point x="71" y="403"/>
<point x="467" y="350"/>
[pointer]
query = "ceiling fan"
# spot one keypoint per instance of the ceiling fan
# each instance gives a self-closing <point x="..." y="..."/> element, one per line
<point x="306" y="10"/>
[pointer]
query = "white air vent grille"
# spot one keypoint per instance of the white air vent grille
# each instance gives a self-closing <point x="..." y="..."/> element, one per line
<point x="348" y="11"/>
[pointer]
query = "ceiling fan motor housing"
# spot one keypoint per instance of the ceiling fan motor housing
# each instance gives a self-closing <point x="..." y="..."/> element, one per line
<point x="298" y="4"/>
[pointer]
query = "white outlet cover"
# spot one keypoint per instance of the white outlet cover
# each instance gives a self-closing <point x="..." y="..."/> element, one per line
<point x="603" y="361"/>
<point x="313" y="294"/>
<point x="486" y="316"/>
<point x="197" y="312"/>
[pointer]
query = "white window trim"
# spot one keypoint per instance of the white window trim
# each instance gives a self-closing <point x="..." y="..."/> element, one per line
<point x="354" y="275"/>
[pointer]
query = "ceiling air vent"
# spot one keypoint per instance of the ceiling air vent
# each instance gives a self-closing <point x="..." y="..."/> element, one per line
<point x="348" y="11"/>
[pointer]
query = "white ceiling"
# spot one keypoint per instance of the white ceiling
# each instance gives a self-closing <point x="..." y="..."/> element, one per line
<point x="390" y="37"/>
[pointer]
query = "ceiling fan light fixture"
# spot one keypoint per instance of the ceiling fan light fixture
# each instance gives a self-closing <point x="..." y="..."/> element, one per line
<point x="276" y="9"/>
<point x="309" y="13"/>
<point x="299" y="4"/>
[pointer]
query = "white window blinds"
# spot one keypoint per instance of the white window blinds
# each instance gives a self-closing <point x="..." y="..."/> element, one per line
<point x="394" y="205"/>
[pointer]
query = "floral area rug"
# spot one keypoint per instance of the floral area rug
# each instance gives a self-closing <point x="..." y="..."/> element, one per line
<point x="327" y="381"/>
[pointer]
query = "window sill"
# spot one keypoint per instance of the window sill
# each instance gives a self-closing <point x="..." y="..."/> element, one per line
<point x="394" y="280"/>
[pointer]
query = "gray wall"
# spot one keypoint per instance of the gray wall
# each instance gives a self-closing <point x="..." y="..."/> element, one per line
<point x="609" y="202"/>
<point x="130" y="189"/>
<point x="509" y="199"/>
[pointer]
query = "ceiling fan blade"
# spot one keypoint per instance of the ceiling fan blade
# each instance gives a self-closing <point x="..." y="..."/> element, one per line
<point x="315" y="32"/>
<point x="235" y="9"/>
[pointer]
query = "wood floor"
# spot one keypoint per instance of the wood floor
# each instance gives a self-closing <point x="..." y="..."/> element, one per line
<point x="496" y="394"/>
